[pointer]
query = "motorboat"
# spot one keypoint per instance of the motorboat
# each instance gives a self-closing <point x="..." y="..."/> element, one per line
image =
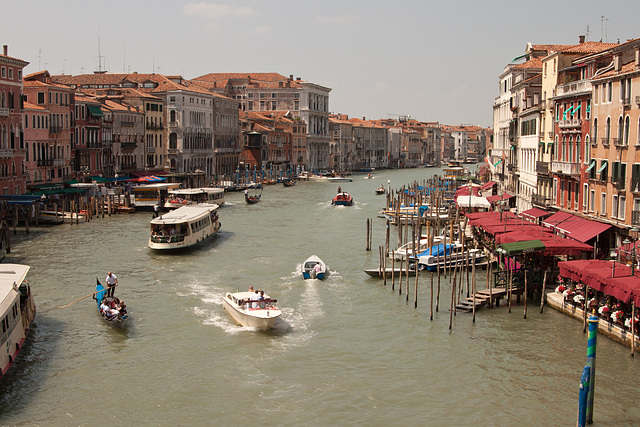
<point x="407" y="249"/>
<point x="248" y="311"/>
<point x="447" y="255"/>
<point x="342" y="199"/>
<point x="314" y="268"/>
<point x="17" y="309"/>
<point x="389" y="271"/>
<point x="111" y="309"/>
<point x="381" y="190"/>
<point x="339" y="179"/>
<point x="184" y="227"/>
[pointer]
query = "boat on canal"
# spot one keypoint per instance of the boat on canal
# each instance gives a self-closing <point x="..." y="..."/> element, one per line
<point x="184" y="227"/>
<point x="389" y="271"/>
<point x="111" y="309"/>
<point x="314" y="268"/>
<point x="192" y="196"/>
<point x="252" y="200"/>
<point x="381" y="190"/>
<point x="17" y="310"/>
<point x="288" y="182"/>
<point x="339" y="179"/>
<point x="446" y="255"/>
<point x="342" y="199"/>
<point x="252" y="313"/>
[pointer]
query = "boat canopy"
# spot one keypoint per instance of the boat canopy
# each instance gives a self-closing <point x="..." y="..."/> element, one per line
<point x="438" y="250"/>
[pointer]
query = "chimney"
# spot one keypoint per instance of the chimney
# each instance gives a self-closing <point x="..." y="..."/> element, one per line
<point x="581" y="39"/>
<point x="617" y="61"/>
<point x="290" y="76"/>
<point x="5" y="49"/>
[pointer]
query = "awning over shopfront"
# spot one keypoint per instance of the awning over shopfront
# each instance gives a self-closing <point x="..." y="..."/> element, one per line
<point x="556" y="219"/>
<point x="536" y="213"/>
<point x="497" y="198"/>
<point x="517" y="248"/>
<point x="582" y="229"/>
<point x="610" y="277"/>
<point x="487" y="185"/>
<point x="473" y="202"/>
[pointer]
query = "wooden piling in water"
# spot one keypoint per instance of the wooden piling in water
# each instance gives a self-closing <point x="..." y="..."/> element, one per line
<point x="525" y="293"/>
<point x="366" y="246"/>
<point x="544" y="288"/>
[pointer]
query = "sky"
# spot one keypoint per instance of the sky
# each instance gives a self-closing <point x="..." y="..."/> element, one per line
<point x="436" y="61"/>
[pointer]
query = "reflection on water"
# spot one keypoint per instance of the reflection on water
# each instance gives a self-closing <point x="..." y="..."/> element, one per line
<point x="348" y="350"/>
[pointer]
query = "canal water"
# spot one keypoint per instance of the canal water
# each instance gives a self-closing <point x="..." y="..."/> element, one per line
<point x="348" y="351"/>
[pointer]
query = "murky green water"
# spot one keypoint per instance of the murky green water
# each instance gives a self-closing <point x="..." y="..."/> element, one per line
<point x="349" y="351"/>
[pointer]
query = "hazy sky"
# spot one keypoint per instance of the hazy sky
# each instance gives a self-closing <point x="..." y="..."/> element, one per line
<point x="431" y="60"/>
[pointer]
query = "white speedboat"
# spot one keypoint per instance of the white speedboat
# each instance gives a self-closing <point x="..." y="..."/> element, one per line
<point x="447" y="255"/>
<point x="407" y="249"/>
<point x="252" y="313"/>
<point x="184" y="227"/>
<point x="314" y="268"/>
<point x="339" y="179"/>
<point x="17" y="310"/>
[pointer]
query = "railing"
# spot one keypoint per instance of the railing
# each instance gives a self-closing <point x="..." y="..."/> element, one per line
<point x="541" y="200"/>
<point x="4" y="112"/>
<point x="574" y="87"/>
<point x="55" y="129"/>
<point x="565" y="168"/>
<point x="127" y="123"/>
<point x="635" y="217"/>
<point x="173" y="151"/>
<point x="637" y="99"/>
<point x="151" y="149"/>
<point x="128" y="165"/>
<point x="47" y="162"/>
<point x="626" y="102"/>
<point x="128" y="145"/>
<point x="550" y="134"/>
<point x="6" y="153"/>
<point x="167" y="239"/>
<point x="620" y="185"/>
<point x="58" y="162"/>
<point x="151" y="126"/>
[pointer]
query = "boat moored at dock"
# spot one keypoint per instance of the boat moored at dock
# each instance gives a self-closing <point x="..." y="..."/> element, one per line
<point x="17" y="310"/>
<point x="249" y="311"/>
<point x="447" y="255"/>
<point x="184" y="227"/>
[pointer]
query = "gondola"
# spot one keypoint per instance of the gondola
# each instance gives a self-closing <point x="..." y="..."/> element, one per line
<point x="111" y="309"/>
<point x="288" y="183"/>
<point x="251" y="200"/>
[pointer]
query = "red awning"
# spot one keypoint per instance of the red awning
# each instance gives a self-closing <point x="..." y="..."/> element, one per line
<point x="497" y="198"/>
<point x="536" y="213"/>
<point x="556" y="219"/>
<point x="487" y="185"/>
<point x="613" y="279"/>
<point x="582" y="229"/>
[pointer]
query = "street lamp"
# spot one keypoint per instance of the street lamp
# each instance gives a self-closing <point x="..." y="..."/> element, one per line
<point x="634" y="234"/>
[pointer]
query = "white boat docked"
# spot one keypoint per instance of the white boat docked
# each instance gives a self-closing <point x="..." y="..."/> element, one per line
<point x="252" y="313"/>
<point x="51" y="217"/>
<point x="17" y="310"/>
<point x="314" y="268"/>
<point x="184" y="227"/>
<point x="407" y="249"/>
<point x="191" y="196"/>
<point x="449" y="255"/>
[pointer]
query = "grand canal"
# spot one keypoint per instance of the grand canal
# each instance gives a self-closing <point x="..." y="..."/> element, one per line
<point x="349" y="351"/>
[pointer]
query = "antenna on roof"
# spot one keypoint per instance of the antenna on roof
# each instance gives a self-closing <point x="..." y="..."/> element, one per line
<point x="587" y="33"/>
<point x="100" y="70"/>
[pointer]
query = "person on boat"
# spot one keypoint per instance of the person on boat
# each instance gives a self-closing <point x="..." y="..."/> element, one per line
<point x="317" y="268"/>
<point x="254" y="298"/>
<point x="250" y="288"/>
<point x="156" y="208"/>
<point x="339" y="190"/>
<point x="261" y="298"/>
<point x="112" y="282"/>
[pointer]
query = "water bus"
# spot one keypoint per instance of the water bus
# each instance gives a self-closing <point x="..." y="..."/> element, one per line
<point x="189" y="196"/>
<point x="17" y="310"/>
<point x="184" y="227"/>
<point x="148" y="195"/>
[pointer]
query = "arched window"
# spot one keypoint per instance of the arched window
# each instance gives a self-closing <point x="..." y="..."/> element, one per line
<point x="607" y="130"/>
<point x="595" y="129"/>
<point x="587" y="149"/>
<point x="627" y="125"/>
<point x="620" y="129"/>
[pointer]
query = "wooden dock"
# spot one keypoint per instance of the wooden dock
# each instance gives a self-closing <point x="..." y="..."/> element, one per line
<point x="483" y="296"/>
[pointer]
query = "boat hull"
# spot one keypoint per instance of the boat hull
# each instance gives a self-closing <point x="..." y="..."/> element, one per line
<point x="262" y="319"/>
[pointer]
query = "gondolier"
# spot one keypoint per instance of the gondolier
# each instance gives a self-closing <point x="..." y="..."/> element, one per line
<point x="112" y="282"/>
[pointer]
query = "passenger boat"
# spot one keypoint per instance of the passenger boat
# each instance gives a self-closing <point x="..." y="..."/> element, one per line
<point x="17" y="310"/>
<point x="147" y="196"/>
<point x="381" y="190"/>
<point x="260" y="314"/>
<point x="191" y="196"/>
<point x="342" y="199"/>
<point x="184" y="227"/>
<point x="310" y="271"/>
<point x="111" y="309"/>
<point x="447" y="255"/>
<point x="252" y="200"/>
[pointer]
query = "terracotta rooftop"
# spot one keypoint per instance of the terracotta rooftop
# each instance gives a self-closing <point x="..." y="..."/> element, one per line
<point x="532" y="63"/>
<point x="589" y="47"/>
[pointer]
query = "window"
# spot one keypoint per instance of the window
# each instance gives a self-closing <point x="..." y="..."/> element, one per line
<point x="40" y="97"/>
<point x="11" y="78"/>
<point x="592" y="200"/>
<point x="3" y="72"/>
<point x="627" y="124"/>
<point x="607" y="130"/>
<point x="609" y="91"/>
<point x="595" y="129"/>
<point x="595" y="94"/>
<point x="621" y="207"/>
<point x="614" y="206"/>
<point x="603" y="203"/>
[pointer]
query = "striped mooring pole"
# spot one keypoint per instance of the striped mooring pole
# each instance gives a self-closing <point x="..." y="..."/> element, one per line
<point x="591" y="362"/>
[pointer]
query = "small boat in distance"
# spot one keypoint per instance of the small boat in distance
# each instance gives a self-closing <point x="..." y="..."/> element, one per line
<point x="184" y="227"/>
<point x="18" y="312"/>
<point x="112" y="310"/>
<point x="288" y="182"/>
<point x="397" y="272"/>
<point x="381" y="190"/>
<point x="252" y="313"/>
<point x="339" y="179"/>
<point x="342" y="199"/>
<point x="314" y="268"/>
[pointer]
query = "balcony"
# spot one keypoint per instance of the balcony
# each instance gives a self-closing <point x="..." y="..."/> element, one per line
<point x="57" y="163"/>
<point x="542" y="168"/>
<point x="635" y="217"/>
<point x="128" y="145"/>
<point x="605" y="141"/>
<point x="574" y="88"/>
<point x="55" y="130"/>
<point x="637" y="99"/>
<point x="151" y="126"/>
<point x="565" y="168"/>
<point x="47" y="162"/>
<point x="128" y="166"/>
<point x="151" y="149"/>
<point x="626" y="102"/>
<point x="173" y="151"/>
<point x="6" y="153"/>
<point x="4" y="112"/>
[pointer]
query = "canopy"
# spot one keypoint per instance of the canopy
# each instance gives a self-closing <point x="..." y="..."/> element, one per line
<point x="582" y="229"/>
<point x="610" y="277"/>
<point x="536" y="213"/>
<point x="516" y="248"/>
<point x="554" y="245"/>
<point x="487" y="185"/>
<point x="473" y="201"/>
<point x="556" y="219"/>
<point x="497" y="198"/>
<point x="437" y="250"/>
<point x="150" y="178"/>
<point x="95" y="110"/>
